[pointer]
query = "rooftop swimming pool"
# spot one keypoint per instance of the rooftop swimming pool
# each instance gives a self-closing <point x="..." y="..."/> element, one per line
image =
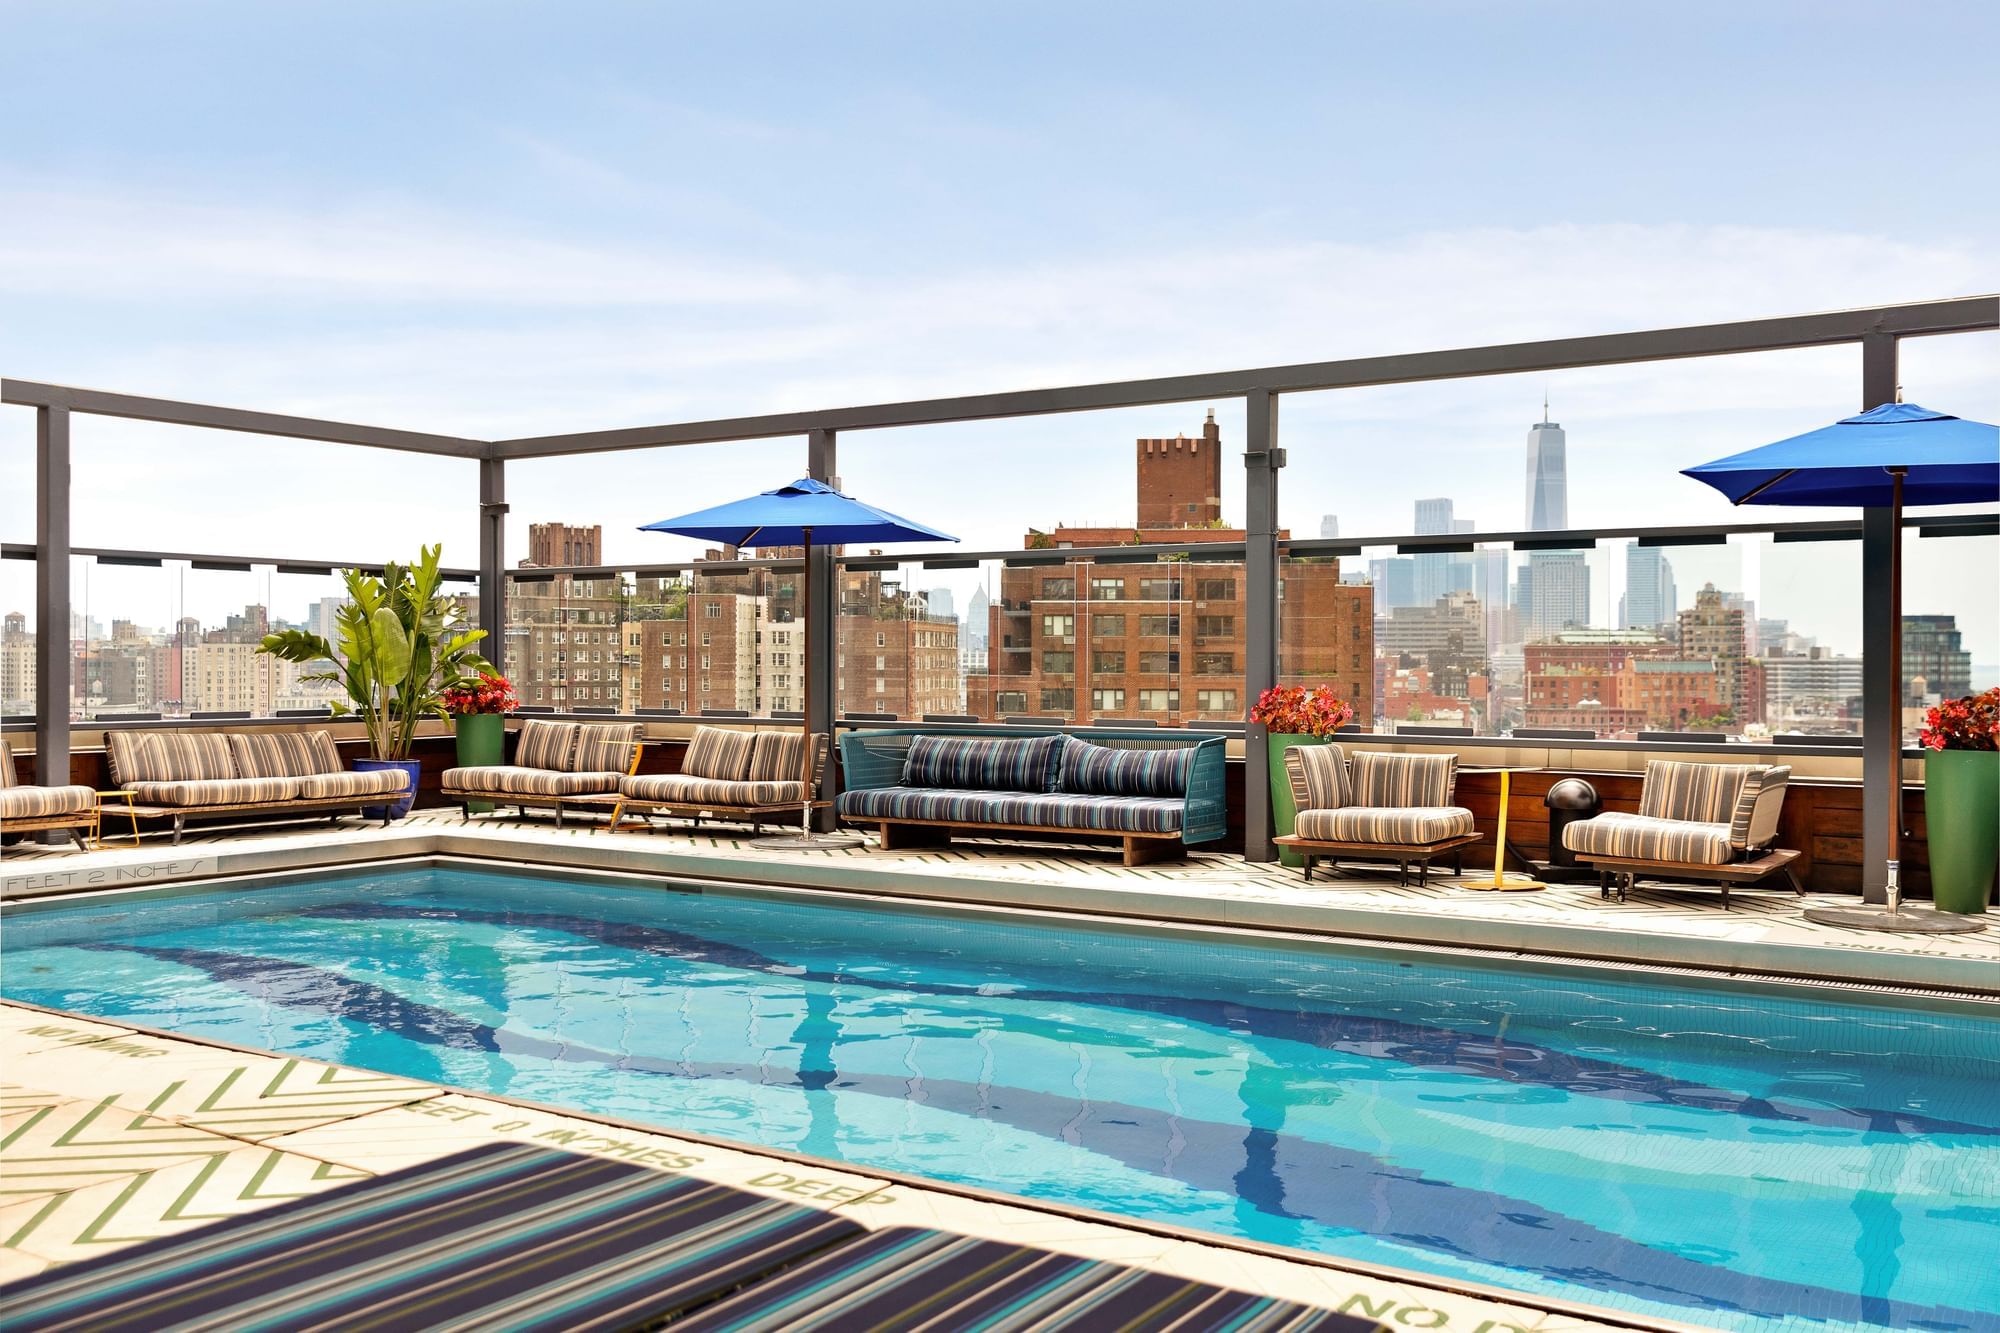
<point x="1751" y="1159"/>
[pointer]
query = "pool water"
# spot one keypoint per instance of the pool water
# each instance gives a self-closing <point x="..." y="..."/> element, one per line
<point x="1746" y="1159"/>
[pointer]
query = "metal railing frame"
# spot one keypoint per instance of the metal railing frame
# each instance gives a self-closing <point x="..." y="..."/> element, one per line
<point x="1876" y="329"/>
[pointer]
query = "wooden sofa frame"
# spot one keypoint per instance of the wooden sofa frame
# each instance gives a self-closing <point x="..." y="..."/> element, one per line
<point x="1405" y="855"/>
<point x="336" y="806"/>
<point x="754" y="815"/>
<point x="1618" y="875"/>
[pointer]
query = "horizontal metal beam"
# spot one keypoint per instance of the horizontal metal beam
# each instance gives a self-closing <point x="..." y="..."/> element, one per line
<point x="118" y="555"/>
<point x="1959" y="315"/>
<point x="96" y="402"/>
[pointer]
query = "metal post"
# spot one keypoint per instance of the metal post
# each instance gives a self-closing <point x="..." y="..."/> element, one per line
<point x="1881" y="691"/>
<point x="1261" y="461"/>
<point x="52" y="662"/>
<point x="493" y="559"/>
<point x="822" y="646"/>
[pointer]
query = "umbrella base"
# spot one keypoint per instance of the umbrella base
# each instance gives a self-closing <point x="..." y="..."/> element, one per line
<point x="809" y="842"/>
<point x="1905" y="921"/>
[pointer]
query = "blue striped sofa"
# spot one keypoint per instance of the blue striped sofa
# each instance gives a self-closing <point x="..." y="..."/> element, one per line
<point x="1156" y="794"/>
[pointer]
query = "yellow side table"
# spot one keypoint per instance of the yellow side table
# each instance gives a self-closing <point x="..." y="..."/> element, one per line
<point x="104" y="798"/>
<point x="1504" y="880"/>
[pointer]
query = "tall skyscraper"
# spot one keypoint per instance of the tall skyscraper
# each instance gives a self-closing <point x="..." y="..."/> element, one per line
<point x="1433" y="572"/>
<point x="1650" y="596"/>
<point x="1548" y="475"/>
<point x="1555" y="587"/>
<point x="1329" y="526"/>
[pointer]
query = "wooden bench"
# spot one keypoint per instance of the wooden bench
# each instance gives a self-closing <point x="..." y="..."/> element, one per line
<point x="1405" y="855"/>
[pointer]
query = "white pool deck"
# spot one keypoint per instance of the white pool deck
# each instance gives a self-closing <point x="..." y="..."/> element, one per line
<point x="110" y="1135"/>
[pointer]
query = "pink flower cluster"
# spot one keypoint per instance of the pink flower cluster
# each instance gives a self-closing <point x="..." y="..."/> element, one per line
<point x="1971" y="723"/>
<point x="1293" y="710"/>
<point x="487" y="694"/>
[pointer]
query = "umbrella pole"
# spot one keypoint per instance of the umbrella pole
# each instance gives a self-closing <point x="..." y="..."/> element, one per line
<point x="805" y="692"/>
<point x="1893" y="890"/>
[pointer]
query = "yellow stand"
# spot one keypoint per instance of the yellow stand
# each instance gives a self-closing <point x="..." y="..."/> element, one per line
<point x="1504" y="881"/>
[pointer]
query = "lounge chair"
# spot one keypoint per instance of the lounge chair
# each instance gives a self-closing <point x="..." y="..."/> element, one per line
<point x="1697" y="823"/>
<point x="730" y="774"/>
<point x="556" y="764"/>
<point x="1380" y="806"/>
<point x="25" y="808"/>
<point x="175" y="774"/>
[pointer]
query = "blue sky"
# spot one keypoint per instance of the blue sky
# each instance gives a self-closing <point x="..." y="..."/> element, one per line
<point x="509" y="219"/>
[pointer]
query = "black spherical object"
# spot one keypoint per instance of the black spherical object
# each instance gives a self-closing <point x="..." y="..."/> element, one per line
<point x="1572" y="794"/>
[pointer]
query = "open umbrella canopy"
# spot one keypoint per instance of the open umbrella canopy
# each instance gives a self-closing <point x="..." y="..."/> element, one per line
<point x="785" y="516"/>
<point x="1948" y="460"/>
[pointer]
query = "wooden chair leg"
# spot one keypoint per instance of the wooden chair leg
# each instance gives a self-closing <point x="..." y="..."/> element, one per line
<point x="179" y="822"/>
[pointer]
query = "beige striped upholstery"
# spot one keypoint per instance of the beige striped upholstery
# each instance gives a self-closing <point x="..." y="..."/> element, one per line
<point x="1318" y="775"/>
<point x="168" y="756"/>
<point x="1645" y="838"/>
<point x="24" y="802"/>
<point x="1409" y="827"/>
<point x="514" y="780"/>
<point x="604" y="748"/>
<point x="283" y="754"/>
<point x="6" y="765"/>
<point x="545" y="744"/>
<point x="709" y="793"/>
<point x="327" y="786"/>
<point x="214" y="791"/>
<point x="777" y="755"/>
<point x="1703" y="793"/>
<point x="1386" y="780"/>
<point x="1754" y="822"/>
<point x="719" y="752"/>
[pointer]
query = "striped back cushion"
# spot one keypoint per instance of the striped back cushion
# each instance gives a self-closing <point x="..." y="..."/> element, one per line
<point x="778" y="756"/>
<point x="546" y="745"/>
<point x="1704" y="793"/>
<point x="719" y="752"/>
<point x="978" y="763"/>
<point x="283" y="754"/>
<point x="1103" y="770"/>
<point x="1754" y="821"/>
<point x="604" y="748"/>
<point x="6" y="764"/>
<point x="168" y="756"/>
<point x="1318" y="776"/>
<point x="1382" y="779"/>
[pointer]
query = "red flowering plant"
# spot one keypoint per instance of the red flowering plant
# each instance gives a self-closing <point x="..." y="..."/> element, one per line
<point x="1293" y="710"/>
<point x="484" y="693"/>
<point x="1971" y="723"/>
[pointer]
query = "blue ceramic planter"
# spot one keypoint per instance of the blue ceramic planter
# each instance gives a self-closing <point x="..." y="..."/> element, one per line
<point x="404" y="802"/>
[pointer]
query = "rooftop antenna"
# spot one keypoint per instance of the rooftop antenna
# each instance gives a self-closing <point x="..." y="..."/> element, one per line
<point x="1545" y="405"/>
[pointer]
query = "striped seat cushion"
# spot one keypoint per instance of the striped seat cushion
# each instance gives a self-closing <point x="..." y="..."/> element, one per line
<point x="501" y="1236"/>
<point x="1388" y="780"/>
<point x="686" y="789"/>
<point x="1704" y="793"/>
<point x="21" y="802"/>
<point x="1413" y="826"/>
<point x="604" y="748"/>
<point x="983" y="764"/>
<point x="168" y="756"/>
<point x="327" y="786"/>
<point x="1754" y="822"/>
<point x="1644" y="838"/>
<point x="6" y="765"/>
<point x="283" y="754"/>
<point x="215" y="791"/>
<point x="904" y="1277"/>
<point x="778" y="756"/>
<point x="514" y="780"/>
<point x="1051" y="810"/>
<point x="546" y="745"/>
<point x="1104" y="770"/>
<point x="1318" y="776"/>
<point x="719" y="752"/>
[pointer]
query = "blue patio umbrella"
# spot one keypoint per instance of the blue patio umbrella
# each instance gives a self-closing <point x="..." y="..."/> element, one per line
<point x="800" y="514"/>
<point x="1893" y="455"/>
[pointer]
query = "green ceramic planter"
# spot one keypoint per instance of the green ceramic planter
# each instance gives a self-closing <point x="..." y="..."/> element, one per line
<point x="1283" y="810"/>
<point x="482" y="741"/>
<point x="1962" y="819"/>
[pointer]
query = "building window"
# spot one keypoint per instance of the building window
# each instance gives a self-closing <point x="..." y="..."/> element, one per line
<point x="1059" y="627"/>
<point x="1159" y="701"/>
<point x="1010" y="701"/>
<point x="1158" y="627"/>
<point x="1216" y="701"/>
<point x="1159" y="664"/>
<point x="1159" y="590"/>
<point x="1214" y="664"/>
<point x="1108" y="664"/>
<point x="1065" y="589"/>
<point x="1215" y="590"/>
<point x="1058" y="700"/>
<point x="704" y="640"/>
<point x="1107" y="701"/>
<point x="881" y="639"/>
<point x="1107" y="590"/>
<point x="713" y="610"/>
<point x="1107" y="627"/>
<point x="1215" y="626"/>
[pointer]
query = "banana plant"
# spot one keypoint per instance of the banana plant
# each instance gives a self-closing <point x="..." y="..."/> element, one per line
<point x="401" y="645"/>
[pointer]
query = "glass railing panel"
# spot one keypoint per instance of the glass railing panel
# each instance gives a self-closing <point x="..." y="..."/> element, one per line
<point x="565" y="640"/>
<point x="1326" y="628"/>
<point x="1951" y="621"/>
<point x="17" y="638"/>
<point x="899" y="641"/>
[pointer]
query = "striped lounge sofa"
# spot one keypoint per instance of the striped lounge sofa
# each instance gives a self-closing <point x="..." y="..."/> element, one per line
<point x="1376" y="806"/>
<point x="556" y="764"/>
<point x="176" y="774"/>
<point x="730" y="774"/>
<point x="1157" y="795"/>
<point x="1697" y="823"/>
<point x="25" y="808"/>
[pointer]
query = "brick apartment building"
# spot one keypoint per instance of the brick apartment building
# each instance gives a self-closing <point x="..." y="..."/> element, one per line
<point x="1616" y="682"/>
<point x="1715" y="629"/>
<point x="1162" y="642"/>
